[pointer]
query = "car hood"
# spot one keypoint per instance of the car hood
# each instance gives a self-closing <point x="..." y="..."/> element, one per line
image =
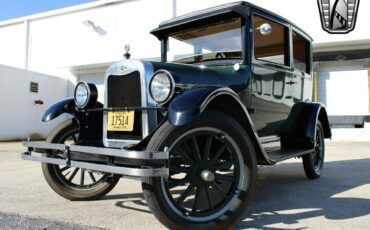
<point x="189" y="76"/>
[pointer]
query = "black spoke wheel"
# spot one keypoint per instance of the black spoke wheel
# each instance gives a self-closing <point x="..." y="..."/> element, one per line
<point x="75" y="183"/>
<point x="212" y="174"/>
<point x="313" y="163"/>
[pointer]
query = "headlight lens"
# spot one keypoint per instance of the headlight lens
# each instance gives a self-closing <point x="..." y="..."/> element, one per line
<point x="162" y="87"/>
<point x="85" y="94"/>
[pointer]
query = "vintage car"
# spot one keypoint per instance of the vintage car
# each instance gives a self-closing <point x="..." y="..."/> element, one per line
<point x="233" y="90"/>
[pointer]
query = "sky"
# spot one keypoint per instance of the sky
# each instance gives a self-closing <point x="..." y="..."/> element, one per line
<point x="10" y="9"/>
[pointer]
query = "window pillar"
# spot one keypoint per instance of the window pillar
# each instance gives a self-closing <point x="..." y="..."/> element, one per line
<point x="315" y="88"/>
<point x="368" y="82"/>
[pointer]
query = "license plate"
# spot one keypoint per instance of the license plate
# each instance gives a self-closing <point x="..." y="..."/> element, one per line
<point x="121" y="121"/>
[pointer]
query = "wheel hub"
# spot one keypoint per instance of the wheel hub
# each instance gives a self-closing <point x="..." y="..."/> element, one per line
<point x="207" y="175"/>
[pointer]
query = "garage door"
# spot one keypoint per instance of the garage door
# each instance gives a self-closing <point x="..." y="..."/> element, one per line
<point x="343" y="88"/>
<point x="98" y="80"/>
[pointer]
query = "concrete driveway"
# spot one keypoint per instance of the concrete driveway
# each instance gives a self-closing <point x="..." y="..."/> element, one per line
<point x="285" y="199"/>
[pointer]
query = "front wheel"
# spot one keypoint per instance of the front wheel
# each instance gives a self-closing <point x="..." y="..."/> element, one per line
<point x="313" y="163"/>
<point x="212" y="174"/>
<point x="75" y="183"/>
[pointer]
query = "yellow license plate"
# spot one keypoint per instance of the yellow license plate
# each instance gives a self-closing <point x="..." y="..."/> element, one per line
<point x="121" y="121"/>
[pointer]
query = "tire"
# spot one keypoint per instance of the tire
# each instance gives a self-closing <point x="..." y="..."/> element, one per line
<point x="62" y="179"/>
<point x="220" y="198"/>
<point x="313" y="163"/>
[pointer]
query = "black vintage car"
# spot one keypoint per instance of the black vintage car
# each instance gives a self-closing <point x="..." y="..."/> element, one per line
<point x="232" y="91"/>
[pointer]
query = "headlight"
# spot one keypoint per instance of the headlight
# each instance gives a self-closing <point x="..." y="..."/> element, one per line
<point x="162" y="87"/>
<point x="86" y="95"/>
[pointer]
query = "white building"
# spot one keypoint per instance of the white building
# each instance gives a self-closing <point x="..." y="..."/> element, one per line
<point x="80" y="42"/>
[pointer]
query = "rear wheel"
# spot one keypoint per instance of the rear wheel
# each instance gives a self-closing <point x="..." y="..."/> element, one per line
<point x="313" y="163"/>
<point x="212" y="174"/>
<point x="75" y="183"/>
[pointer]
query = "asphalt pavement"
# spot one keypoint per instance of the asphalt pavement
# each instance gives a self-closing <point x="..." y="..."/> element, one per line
<point x="285" y="199"/>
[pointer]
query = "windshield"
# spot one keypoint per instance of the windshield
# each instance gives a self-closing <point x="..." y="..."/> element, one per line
<point x="211" y="43"/>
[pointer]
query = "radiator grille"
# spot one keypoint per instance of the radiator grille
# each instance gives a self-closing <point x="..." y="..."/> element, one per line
<point x="125" y="91"/>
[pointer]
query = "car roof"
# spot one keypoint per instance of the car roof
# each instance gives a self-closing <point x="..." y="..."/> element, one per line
<point x="210" y="15"/>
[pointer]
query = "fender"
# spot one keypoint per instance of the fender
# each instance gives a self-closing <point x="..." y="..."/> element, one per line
<point x="55" y="110"/>
<point x="300" y="127"/>
<point x="318" y="114"/>
<point x="184" y="108"/>
<point x="91" y="124"/>
<point x="191" y="103"/>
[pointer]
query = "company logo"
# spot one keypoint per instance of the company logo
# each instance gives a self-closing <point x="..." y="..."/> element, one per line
<point x="338" y="16"/>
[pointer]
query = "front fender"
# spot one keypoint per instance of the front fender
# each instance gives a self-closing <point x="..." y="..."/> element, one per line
<point x="190" y="104"/>
<point x="63" y="106"/>
<point x="90" y="124"/>
<point x="185" y="107"/>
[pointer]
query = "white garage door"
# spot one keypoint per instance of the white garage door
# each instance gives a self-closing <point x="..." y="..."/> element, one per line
<point x="98" y="80"/>
<point x="343" y="88"/>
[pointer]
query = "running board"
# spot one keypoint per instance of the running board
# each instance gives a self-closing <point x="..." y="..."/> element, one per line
<point x="285" y="154"/>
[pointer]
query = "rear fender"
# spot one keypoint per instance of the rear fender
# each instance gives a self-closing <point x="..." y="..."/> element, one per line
<point x="300" y="127"/>
<point x="318" y="114"/>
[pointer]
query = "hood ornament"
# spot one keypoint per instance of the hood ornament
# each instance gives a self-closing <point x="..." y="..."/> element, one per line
<point x="127" y="55"/>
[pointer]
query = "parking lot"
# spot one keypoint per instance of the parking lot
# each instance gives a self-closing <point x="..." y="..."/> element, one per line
<point x="285" y="199"/>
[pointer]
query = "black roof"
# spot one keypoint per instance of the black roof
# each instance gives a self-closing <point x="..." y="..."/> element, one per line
<point x="217" y="13"/>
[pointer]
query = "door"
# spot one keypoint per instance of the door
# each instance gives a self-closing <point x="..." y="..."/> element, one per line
<point x="272" y="98"/>
<point x="272" y="79"/>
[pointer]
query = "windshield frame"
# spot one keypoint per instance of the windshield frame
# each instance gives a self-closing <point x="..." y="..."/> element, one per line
<point x="244" y="47"/>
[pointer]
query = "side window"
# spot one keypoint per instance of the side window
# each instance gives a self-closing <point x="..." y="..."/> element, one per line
<point x="257" y="86"/>
<point x="271" y="47"/>
<point x="300" y="53"/>
<point x="279" y="86"/>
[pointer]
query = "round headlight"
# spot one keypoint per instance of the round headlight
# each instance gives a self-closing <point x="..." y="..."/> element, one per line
<point x="162" y="87"/>
<point x="85" y="94"/>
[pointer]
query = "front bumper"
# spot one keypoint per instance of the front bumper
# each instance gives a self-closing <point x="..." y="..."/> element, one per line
<point x="109" y="160"/>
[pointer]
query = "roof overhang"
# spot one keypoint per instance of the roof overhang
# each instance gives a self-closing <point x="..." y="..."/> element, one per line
<point x="201" y="18"/>
<point x="213" y="15"/>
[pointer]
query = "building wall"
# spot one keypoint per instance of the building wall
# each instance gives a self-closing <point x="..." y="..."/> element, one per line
<point x="20" y="117"/>
<point x="58" y="43"/>
<point x="12" y="45"/>
<point x="54" y="41"/>
<point x="343" y="88"/>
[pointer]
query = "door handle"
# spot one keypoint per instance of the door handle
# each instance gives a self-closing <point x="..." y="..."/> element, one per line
<point x="291" y="83"/>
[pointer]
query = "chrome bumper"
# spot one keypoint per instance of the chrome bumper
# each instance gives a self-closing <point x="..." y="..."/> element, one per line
<point x="139" y="158"/>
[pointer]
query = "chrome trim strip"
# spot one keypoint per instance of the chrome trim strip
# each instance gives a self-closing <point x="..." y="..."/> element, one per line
<point x="39" y="145"/>
<point x="269" y="139"/>
<point x="147" y="172"/>
<point x="101" y="151"/>
<point x="140" y="172"/>
<point x="120" y="152"/>
<point x="49" y="160"/>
